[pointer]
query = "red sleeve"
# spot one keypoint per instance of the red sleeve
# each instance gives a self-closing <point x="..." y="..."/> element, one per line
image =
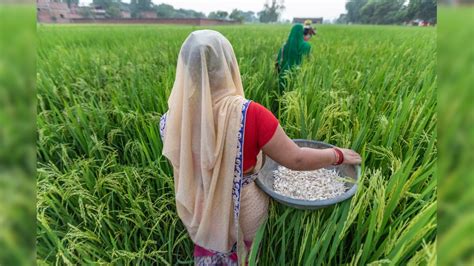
<point x="267" y="124"/>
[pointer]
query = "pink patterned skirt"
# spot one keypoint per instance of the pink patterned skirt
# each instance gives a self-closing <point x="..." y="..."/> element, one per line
<point x="254" y="209"/>
<point x="205" y="257"/>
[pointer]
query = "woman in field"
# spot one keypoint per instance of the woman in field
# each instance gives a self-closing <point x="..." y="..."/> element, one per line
<point x="212" y="136"/>
<point x="292" y="52"/>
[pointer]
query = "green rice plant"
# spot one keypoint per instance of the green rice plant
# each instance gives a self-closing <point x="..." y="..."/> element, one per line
<point x="106" y="194"/>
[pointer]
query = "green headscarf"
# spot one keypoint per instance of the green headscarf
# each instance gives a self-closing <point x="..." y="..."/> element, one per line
<point x="292" y="52"/>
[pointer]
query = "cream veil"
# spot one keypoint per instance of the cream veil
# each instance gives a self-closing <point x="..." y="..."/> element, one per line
<point x="202" y="126"/>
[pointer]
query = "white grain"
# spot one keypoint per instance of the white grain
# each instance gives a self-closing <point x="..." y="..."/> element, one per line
<point x="319" y="184"/>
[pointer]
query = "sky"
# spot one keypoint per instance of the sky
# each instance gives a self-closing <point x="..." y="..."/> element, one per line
<point x="328" y="9"/>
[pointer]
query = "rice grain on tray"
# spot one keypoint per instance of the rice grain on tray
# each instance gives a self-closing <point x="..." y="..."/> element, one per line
<point x="319" y="184"/>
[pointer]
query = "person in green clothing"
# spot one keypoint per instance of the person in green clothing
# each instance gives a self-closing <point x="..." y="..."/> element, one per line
<point x="292" y="52"/>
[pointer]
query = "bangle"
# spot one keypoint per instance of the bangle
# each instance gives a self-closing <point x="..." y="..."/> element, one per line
<point x="339" y="156"/>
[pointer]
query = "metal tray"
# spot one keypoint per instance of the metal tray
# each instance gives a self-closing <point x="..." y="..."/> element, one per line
<point x="265" y="180"/>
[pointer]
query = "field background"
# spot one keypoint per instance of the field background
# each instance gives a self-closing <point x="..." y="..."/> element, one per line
<point x="105" y="192"/>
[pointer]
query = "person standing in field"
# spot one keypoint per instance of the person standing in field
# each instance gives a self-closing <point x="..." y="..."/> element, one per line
<point x="292" y="52"/>
<point x="212" y="137"/>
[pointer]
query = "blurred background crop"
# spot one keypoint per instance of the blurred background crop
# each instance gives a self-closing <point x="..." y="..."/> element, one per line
<point x="456" y="133"/>
<point x="17" y="134"/>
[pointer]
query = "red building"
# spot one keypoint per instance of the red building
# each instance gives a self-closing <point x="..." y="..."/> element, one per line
<point x="50" y="12"/>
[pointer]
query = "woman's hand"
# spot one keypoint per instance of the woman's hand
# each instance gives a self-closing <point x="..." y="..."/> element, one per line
<point x="350" y="156"/>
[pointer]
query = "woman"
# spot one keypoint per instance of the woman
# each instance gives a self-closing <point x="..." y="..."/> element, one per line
<point x="212" y="136"/>
<point x="292" y="52"/>
<point x="308" y="30"/>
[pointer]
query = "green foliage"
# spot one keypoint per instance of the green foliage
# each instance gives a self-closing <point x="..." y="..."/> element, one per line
<point x="271" y="12"/>
<point x="168" y="11"/>
<point x="144" y="5"/>
<point x="240" y="15"/>
<point x="388" y="11"/>
<point x="114" y="11"/>
<point x="85" y="12"/>
<point x="106" y="194"/>
<point x="383" y="12"/>
<point x="71" y="2"/>
<point x="342" y="19"/>
<point x="422" y="9"/>
<point x="353" y="8"/>
<point x="218" y="15"/>
<point x="165" y="11"/>
<point x="138" y="6"/>
<point x="103" y="3"/>
<point x="236" y="15"/>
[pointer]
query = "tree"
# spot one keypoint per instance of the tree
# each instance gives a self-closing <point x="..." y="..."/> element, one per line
<point x="375" y="11"/>
<point x="112" y="7"/>
<point x="188" y="13"/>
<point x="237" y="15"/>
<point x="342" y="19"/>
<point x="138" y="6"/>
<point x="383" y="12"/>
<point x="168" y="11"/>
<point x="114" y="11"/>
<point x="134" y="12"/>
<point x="218" y="15"/>
<point x="422" y="9"/>
<point x="103" y="3"/>
<point x="271" y="13"/>
<point x="85" y="12"/>
<point x="249" y="16"/>
<point x="165" y="11"/>
<point x="71" y="2"/>
<point x="353" y="8"/>
<point x="144" y="5"/>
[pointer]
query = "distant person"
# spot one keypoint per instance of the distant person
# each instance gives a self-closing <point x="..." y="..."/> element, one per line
<point x="293" y="51"/>
<point x="212" y="136"/>
<point x="308" y="30"/>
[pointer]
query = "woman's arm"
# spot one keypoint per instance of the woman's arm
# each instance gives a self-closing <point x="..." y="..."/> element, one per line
<point x="284" y="151"/>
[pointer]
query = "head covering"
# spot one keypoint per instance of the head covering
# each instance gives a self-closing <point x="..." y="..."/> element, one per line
<point x="202" y="126"/>
<point x="293" y="50"/>
<point x="308" y="29"/>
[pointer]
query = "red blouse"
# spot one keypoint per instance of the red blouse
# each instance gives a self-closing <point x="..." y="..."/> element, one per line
<point x="260" y="126"/>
